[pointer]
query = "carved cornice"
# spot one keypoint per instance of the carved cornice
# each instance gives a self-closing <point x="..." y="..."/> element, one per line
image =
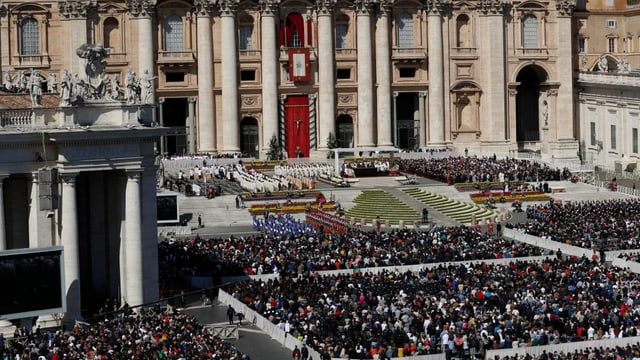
<point x="141" y="8"/>
<point x="492" y="7"/>
<point x="565" y="7"/>
<point x="437" y="7"/>
<point x="76" y="9"/>
<point x="228" y="7"/>
<point x="325" y="7"/>
<point x="363" y="7"/>
<point x="269" y="7"/>
<point x="203" y="7"/>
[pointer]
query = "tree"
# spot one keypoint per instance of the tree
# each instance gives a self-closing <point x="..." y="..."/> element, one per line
<point x="332" y="143"/>
<point x="275" y="149"/>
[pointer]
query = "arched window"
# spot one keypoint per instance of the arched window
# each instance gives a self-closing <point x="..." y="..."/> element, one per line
<point x="173" y="33"/>
<point x="342" y="29"/>
<point x="463" y="32"/>
<point x="111" y="29"/>
<point x="245" y="36"/>
<point x="405" y="30"/>
<point x="292" y="31"/>
<point x="529" y="32"/>
<point x="29" y="37"/>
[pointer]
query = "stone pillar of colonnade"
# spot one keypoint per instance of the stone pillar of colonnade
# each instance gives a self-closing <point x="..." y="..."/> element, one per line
<point x="231" y="128"/>
<point x="133" y="240"/>
<point x="70" y="241"/>
<point x="383" y="74"/>
<point x="74" y="18"/>
<point x="366" y="129"/>
<point x="435" y="10"/>
<point x="326" y="64"/>
<point x="269" y="53"/>
<point x="206" y="101"/>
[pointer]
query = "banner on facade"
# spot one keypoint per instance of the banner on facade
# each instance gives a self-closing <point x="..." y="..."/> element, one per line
<point x="299" y="64"/>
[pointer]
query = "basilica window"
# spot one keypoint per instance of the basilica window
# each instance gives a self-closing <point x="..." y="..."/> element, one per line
<point x="173" y="33"/>
<point x="342" y="31"/>
<point x="529" y="32"/>
<point x="29" y="37"/>
<point x="292" y="31"/>
<point x="405" y="30"/>
<point x="246" y="36"/>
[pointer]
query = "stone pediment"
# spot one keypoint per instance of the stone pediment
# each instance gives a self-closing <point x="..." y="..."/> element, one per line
<point x="464" y="5"/>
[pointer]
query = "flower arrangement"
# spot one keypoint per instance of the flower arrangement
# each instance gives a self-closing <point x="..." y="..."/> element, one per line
<point x="493" y="197"/>
<point x="492" y="186"/>
<point x="288" y="208"/>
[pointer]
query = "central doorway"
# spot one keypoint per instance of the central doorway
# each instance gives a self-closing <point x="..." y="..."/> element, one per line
<point x="174" y="116"/>
<point x="297" y="126"/>
<point x="527" y="103"/>
<point x="407" y="121"/>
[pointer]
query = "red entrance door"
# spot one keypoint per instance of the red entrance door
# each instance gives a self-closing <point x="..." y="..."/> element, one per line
<point x="297" y="125"/>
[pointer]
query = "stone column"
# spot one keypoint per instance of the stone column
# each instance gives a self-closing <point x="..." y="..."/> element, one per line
<point x="326" y="71"/>
<point x="435" y="9"/>
<point x="34" y="210"/>
<point x="191" y="138"/>
<point x="206" y="101"/>
<point x="70" y="241"/>
<point x="564" y="102"/>
<point x="511" y="121"/>
<point x="74" y="16"/>
<point x="383" y="74"/>
<point x="421" y="107"/>
<point x="141" y="11"/>
<point x="163" y="139"/>
<point x="231" y="132"/>
<point x="3" y="233"/>
<point x="365" y="73"/>
<point x="133" y="240"/>
<point x="492" y="68"/>
<point x="269" y="11"/>
<point x="4" y="41"/>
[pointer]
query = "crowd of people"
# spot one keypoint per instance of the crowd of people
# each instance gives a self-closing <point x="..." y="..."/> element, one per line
<point x="614" y="224"/>
<point x="453" y="308"/>
<point x="307" y="253"/>
<point x="461" y="169"/>
<point x="149" y="334"/>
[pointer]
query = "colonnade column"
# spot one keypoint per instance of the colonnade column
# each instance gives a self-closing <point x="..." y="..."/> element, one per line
<point x="3" y="233"/>
<point x="365" y="73"/>
<point x="564" y="125"/>
<point x="383" y="74"/>
<point x="435" y="9"/>
<point x="494" y="112"/>
<point x="133" y="240"/>
<point x="326" y="72"/>
<point x="70" y="241"/>
<point x="231" y="133"/>
<point x="34" y="210"/>
<point x="192" y="125"/>
<point x="206" y="101"/>
<point x="269" y="10"/>
<point x="74" y="16"/>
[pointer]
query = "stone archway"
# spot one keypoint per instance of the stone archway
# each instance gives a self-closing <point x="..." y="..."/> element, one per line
<point x="528" y="118"/>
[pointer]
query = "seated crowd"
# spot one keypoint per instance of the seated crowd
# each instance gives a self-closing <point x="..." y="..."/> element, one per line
<point x="586" y="224"/>
<point x="150" y="334"/>
<point x="306" y="253"/>
<point x="457" y="306"/>
<point x="481" y="169"/>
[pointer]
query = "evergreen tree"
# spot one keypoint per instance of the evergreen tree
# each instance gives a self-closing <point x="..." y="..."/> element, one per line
<point x="275" y="149"/>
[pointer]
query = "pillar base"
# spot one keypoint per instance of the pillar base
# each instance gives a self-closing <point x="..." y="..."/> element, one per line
<point x="49" y="321"/>
<point x="7" y="329"/>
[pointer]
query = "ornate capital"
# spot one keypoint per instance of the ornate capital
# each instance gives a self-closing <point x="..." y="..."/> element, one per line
<point x="228" y="7"/>
<point x="363" y="7"/>
<point x="565" y="7"/>
<point x="3" y="11"/>
<point x="269" y="7"/>
<point x="141" y="8"/>
<point x="552" y="92"/>
<point x="492" y="7"/>
<point x="69" y="178"/>
<point x="203" y="7"/>
<point x="76" y="9"/>
<point x="513" y="92"/>
<point x="325" y="7"/>
<point x="134" y="175"/>
<point x="437" y="7"/>
<point x="385" y="7"/>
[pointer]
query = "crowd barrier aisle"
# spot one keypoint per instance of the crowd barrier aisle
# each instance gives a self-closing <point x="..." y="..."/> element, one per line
<point x="280" y="336"/>
<point x="625" y="264"/>
<point x="546" y="243"/>
<point x="566" y="347"/>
